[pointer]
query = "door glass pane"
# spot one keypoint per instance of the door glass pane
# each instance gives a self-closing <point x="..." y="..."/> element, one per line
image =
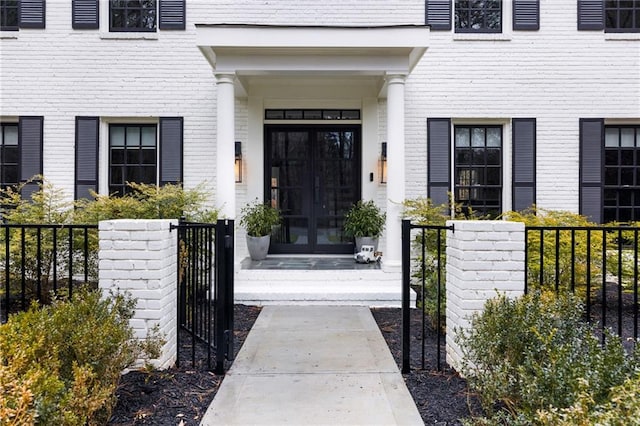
<point x="330" y="231"/>
<point x="292" y="231"/>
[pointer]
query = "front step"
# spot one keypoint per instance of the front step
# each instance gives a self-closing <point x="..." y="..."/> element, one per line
<point x="362" y="287"/>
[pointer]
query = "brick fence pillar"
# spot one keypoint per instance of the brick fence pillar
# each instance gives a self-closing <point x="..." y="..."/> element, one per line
<point x="140" y="257"/>
<point x="484" y="258"/>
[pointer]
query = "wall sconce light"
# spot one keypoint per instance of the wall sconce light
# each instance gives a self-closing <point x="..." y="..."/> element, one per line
<point x="238" y="162"/>
<point x="383" y="163"/>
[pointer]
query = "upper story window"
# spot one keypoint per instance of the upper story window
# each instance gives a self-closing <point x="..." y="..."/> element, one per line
<point x="132" y="15"/>
<point x="9" y="155"/>
<point x="478" y="16"/>
<point x="9" y="15"/>
<point x="622" y="15"/>
<point x="16" y="14"/>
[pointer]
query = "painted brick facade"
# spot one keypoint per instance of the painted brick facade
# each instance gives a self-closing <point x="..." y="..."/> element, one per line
<point x="484" y="258"/>
<point x="139" y="257"/>
<point x="556" y="75"/>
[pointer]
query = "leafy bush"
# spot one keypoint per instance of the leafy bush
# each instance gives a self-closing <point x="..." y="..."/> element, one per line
<point x="146" y="201"/>
<point x="364" y="219"/>
<point x="49" y="206"/>
<point x="621" y="408"/>
<point x="61" y="364"/>
<point x="259" y="219"/>
<point x="533" y="353"/>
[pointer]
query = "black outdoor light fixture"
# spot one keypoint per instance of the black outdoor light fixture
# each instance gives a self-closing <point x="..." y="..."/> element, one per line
<point x="383" y="163"/>
<point x="238" y="162"/>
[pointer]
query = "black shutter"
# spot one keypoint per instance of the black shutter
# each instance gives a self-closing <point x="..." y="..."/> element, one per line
<point x="523" y="139"/>
<point x="590" y="14"/>
<point x="85" y="14"/>
<point x="32" y="13"/>
<point x="171" y="136"/>
<point x="172" y="14"/>
<point x="438" y="14"/>
<point x="526" y="14"/>
<point x="30" y="132"/>
<point x="438" y="159"/>
<point x="87" y="146"/>
<point x="591" y="142"/>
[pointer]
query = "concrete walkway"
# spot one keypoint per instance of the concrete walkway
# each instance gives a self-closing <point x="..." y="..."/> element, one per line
<point x="313" y="365"/>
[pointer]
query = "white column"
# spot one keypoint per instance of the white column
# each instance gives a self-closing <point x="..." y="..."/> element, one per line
<point x="225" y="157"/>
<point x="395" y="170"/>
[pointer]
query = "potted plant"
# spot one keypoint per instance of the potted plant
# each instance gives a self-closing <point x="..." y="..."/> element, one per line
<point x="365" y="222"/>
<point x="259" y="219"/>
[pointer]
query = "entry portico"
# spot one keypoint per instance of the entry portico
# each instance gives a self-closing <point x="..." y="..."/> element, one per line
<point x="287" y="67"/>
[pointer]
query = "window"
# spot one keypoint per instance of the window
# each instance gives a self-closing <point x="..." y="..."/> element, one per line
<point x="622" y="15"/>
<point x="9" y="15"/>
<point x="132" y="15"/>
<point x="9" y="155"/>
<point x="621" y="173"/>
<point x="478" y="168"/>
<point x="132" y="156"/>
<point x="478" y="16"/>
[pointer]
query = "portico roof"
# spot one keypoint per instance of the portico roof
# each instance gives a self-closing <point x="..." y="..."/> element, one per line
<point x="312" y="51"/>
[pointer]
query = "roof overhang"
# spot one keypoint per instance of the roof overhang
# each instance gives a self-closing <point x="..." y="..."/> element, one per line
<point x="312" y="51"/>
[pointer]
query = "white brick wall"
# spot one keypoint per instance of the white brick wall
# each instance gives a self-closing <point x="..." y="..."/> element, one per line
<point x="484" y="258"/>
<point x="556" y="74"/>
<point x="139" y="257"/>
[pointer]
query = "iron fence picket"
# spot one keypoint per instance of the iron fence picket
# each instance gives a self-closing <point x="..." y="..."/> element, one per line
<point x="438" y="263"/>
<point x="605" y="249"/>
<point x="22" y="284"/>
<point x="205" y="289"/>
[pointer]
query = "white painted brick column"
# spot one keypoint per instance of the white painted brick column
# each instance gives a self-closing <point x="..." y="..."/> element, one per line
<point x="484" y="258"/>
<point x="139" y="256"/>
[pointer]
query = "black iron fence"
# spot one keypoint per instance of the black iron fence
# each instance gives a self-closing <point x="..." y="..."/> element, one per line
<point x="41" y="261"/>
<point x="599" y="264"/>
<point x="423" y="269"/>
<point x="205" y="291"/>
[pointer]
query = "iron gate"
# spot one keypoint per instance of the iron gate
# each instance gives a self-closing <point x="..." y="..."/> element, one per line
<point x="423" y="264"/>
<point x="205" y="290"/>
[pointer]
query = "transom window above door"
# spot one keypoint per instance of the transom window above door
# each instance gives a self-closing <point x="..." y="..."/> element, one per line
<point x="312" y="114"/>
<point x="478" y="169"/>
<point x="132" y="156"/>
<point x="132" y="15"/>
<point x="478" y="16"/>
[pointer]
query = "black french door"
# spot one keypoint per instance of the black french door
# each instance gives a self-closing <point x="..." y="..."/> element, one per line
<point x="312" y="174"/>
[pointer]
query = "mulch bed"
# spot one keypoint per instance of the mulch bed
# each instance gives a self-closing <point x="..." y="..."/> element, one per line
<point x="181" y="395"/>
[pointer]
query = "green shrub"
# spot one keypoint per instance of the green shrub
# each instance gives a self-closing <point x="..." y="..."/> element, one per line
<point x="49" y="206"/>
<point x="364" y="219"/>
<point x="621" y="408"/>
<point x="534" y="352"/>
<point x="62" y="363"/>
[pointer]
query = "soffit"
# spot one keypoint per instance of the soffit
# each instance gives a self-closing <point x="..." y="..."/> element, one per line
<point x="322" y="52"/>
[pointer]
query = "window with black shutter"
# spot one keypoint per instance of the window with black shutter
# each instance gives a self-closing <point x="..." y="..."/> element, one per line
<point x="16" y="14"/>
